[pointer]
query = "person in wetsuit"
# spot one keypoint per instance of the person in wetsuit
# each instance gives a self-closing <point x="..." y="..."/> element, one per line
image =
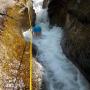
<point x="37" y="30"/>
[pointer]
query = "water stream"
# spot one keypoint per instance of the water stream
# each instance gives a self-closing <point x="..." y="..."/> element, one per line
<point x="60" y="73"/>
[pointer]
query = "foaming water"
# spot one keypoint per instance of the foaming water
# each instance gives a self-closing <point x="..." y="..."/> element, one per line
<point x="60" y="73"/>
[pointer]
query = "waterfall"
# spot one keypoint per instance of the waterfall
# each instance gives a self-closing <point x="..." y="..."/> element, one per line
<point x="60" y="73"/>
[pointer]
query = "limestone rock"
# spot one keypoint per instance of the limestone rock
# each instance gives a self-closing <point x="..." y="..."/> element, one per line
<point x="57" y="12"/>
<point x="15" y="53"/>
<point x="37" y="75"/>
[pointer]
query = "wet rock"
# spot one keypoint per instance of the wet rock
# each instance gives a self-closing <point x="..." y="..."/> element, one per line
<point x="27" y="14"/>
<point x="74" y="16"/>
<point x="57" y="12"/>
<point x="45" y="4"/>
<point x="33" y="17"/>
<point x="32" y="13"/>
<point x="34" y="50"/>
<point x="37" y="75"/>
<point x="76" y="37"/>
<point x="44" y="84"/>
<point x="75" y="43"/>
<point x="26" y="19"/>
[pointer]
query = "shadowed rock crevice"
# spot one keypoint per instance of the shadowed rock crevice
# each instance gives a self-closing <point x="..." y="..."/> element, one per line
<point x="34" y="50"/>
<point x="56" y="12"/>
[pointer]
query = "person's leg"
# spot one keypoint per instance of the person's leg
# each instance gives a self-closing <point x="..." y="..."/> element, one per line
<point x="35" y="34"/>
<point x="32" y="33"/>
<point x="38" y="34"/>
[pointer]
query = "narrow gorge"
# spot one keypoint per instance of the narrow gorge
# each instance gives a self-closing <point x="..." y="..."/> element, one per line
<point x="60" y="54"/>
<point x="54" y="50"/>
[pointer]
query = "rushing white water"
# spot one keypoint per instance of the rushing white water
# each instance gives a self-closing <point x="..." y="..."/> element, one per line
<point x="60" y="73"/>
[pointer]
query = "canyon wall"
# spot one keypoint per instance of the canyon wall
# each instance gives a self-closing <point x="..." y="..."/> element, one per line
<point x="74" y="17"/>
<point x="15" y="51"/>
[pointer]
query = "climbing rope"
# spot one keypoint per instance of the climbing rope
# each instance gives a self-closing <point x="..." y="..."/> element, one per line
<point x="30" y="22"/>
<point x="30" y="53"/>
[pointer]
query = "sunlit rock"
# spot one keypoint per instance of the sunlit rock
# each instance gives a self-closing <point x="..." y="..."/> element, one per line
<point x="37" y="75"/>
<point x="15" y="52"/>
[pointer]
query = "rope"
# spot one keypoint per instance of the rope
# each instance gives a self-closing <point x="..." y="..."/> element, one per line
<point x="30" y="54"/>
<point x="30" y="22"/>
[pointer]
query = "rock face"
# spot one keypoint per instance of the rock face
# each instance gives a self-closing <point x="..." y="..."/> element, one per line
<point x="32" y="13"/>
<point x="57" y="12"/>
<point x="37" y="75"/>
<point x="45" y="3"/>
<point x="76" y="36"/>
<point x="27" y="14"/>
<point x="11" y="53"/>
<point x="15" y="53"/>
